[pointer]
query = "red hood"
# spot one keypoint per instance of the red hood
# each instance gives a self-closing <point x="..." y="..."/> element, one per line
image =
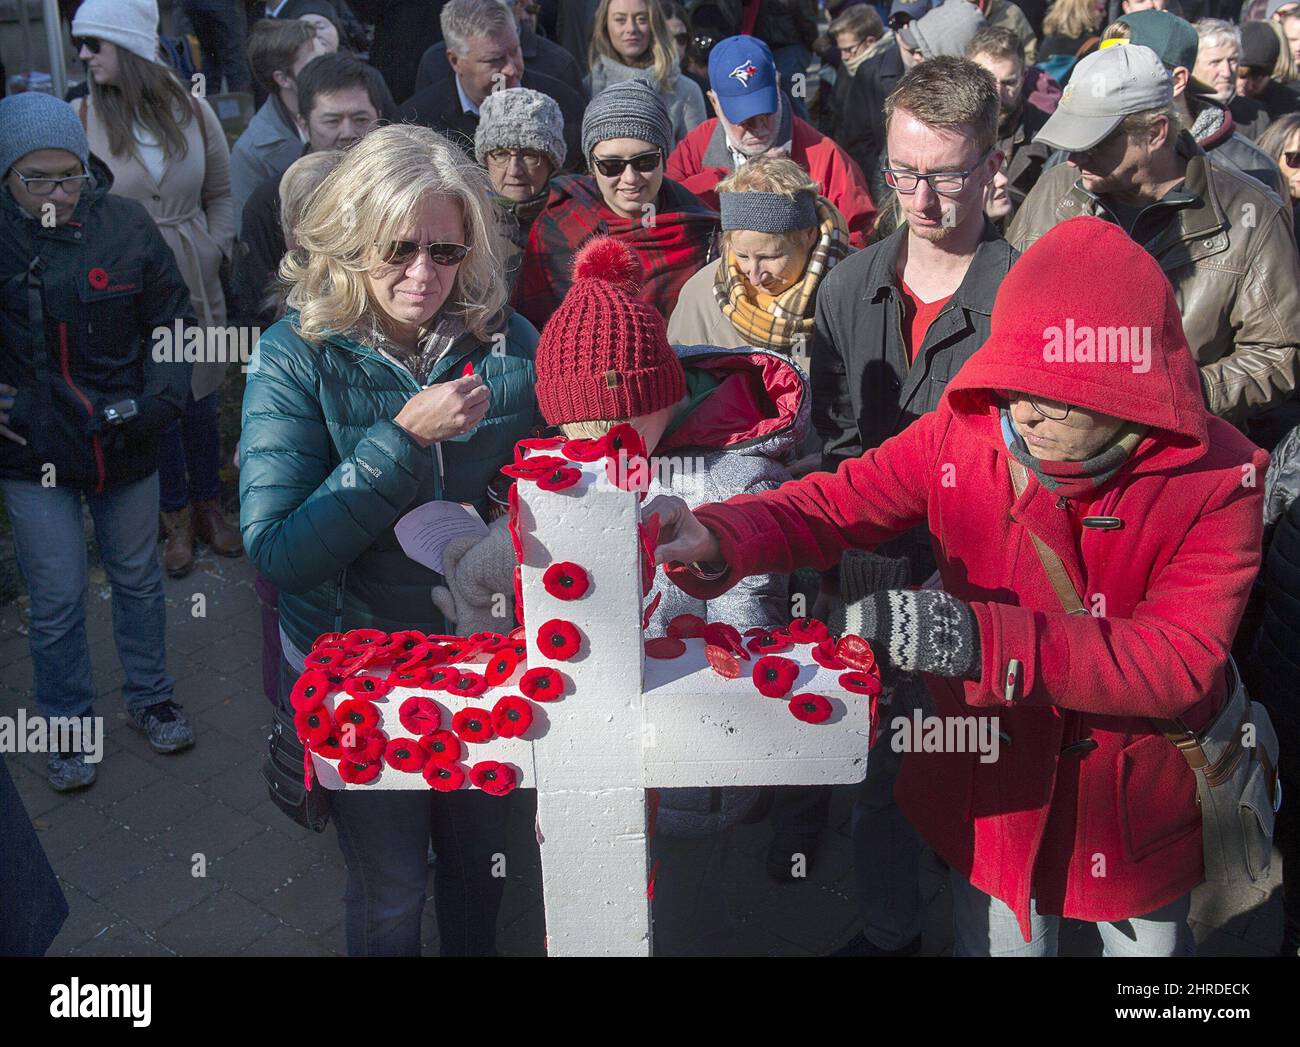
<point x="1085" y="276"/>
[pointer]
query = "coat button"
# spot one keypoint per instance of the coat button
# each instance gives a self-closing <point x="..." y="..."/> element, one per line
<point x="156" y="196"/>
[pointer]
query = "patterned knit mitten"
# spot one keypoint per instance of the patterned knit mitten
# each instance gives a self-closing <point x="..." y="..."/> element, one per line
<point x="918" y="630"/>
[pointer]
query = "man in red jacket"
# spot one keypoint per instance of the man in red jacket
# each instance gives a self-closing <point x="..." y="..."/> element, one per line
<point x="754" y="118"/>
<point x="1079" y="425"/>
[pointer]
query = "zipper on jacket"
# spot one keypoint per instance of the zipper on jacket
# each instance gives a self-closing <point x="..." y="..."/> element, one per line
<point x="96" y="446"/>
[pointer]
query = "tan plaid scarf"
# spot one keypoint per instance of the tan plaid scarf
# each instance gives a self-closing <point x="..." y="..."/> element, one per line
<point x="789" y="320"/>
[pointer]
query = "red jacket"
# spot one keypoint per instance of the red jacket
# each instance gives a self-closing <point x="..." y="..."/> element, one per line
<point x="1104" y="834"/>
<point x="699" y="163"/>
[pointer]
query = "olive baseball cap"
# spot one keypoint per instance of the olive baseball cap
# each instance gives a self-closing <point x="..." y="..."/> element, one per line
<point x="1105" y="87"/>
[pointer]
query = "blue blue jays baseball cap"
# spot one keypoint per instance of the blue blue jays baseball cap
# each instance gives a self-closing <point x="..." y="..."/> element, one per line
<point x="742" y="74"/>
<point x="914" y="9"/>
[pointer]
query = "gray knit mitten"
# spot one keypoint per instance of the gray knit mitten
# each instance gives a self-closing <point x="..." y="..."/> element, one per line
<point x="917" y="630"/>
<point x="480" y="582"/>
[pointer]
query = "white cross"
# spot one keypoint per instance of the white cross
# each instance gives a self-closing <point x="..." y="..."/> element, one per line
<point x="627" y="723"/>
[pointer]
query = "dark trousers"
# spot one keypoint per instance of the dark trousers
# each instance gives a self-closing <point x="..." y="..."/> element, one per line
<point x="189" y="456"/>
<point x="32" y="905"/>
<point x="219" y="25"/>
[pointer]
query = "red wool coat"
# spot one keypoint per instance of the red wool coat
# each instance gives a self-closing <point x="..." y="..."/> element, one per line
<point x="837" y="173"/>
<point x="1113" y="832"/>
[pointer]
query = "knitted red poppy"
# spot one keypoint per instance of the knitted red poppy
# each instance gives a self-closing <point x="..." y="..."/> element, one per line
<point x="314" y="725"/>
<point x="407" y="640"/>
<point x="310" y="690"/>
<point x="537" y="443"/>
<point x="722" y="661"/>
<point x="359" y="712"/>
<point x="441" y="745"/>
<point x="724" y="635"/>
<point x="774" y="675"/>
<point x="501" y="666"/>
<point x="650" y="611"/>
<point x="810" y="708"/>
<point x="542" y="684"/>
<point x="824" y="655"/>
<point x="512" y="716"/>
<point x="363" y="746"/>
<point x="367" y="686"/>
<point x="423" y="656"/>
<point x="328" y="638"/>
<point x="559" y="479"/>
<point x="649" y="542"/>
<point x="665" y="647"/>
<point x="565" y="580"/>
<point x="440" y="677"/>
<point x="855" y="652"/>
<point x="534" y="466"/>
<point x="558" y="639"/>
<point x="360" y="638"/>
<point x="687" y="626"/>
<point x="361" y="773"/>
<point x="326" y="656"/>
<point x="628" y="472"/>
<point x="769" y="643"/>
<point x="473" y="725"/>
<point x="625" y="437"/>
<point x="331" y="747"/>
<point x="405" y="754"/>
<point x="495" y="779"/>
<point x="408" y="678"/>
<point x="860" y="682"/>
<point x="444" y="776"/>
<point x="467" y="684"/>
<point x="808" y="630"/>
<point x="580" y="449"/>
<point x="420" y="715"/>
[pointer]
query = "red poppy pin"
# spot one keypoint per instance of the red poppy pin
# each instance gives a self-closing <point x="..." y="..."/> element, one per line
<point x="856" y="653"/>
<point x="368" y="687"/>
<point x="558" y="639"/>
<point x="810" y="708"/>
<point x="665" y="647"/>
<point x="687" y="626"/>
<point x="420" y="715"/>
<point x="405" y="754"/>
<point x="358" y="712"/>
<point x="542" y="685"/>
<point x="824" y="655"/>
<point x="442" y="745"/>
<point x="362" y="772"/>
<point x="501" y="666"/>
<point x="808" y="630"/>
<point x="314" y="725"/>
<point x="559" y="479"/>
<point x="467" y="684"/>
<point x="774" y="675"/>
<point x="565" y="580"/>
<point x="495" y="779"/>
<point x="861" y="683"/>
<point x="98" y="278"/>
<point x="444" y="776"/>
<point x="473" y="725"/>
<point x="309" y="691"/>
<point x="512" y="716"/>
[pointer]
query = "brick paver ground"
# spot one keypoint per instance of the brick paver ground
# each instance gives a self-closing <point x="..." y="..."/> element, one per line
<point x="127" y="850"/>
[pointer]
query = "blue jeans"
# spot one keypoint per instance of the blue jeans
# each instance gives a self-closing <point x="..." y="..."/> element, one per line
<point x="385" y="835"/>
<point x="51" y="546"/>
<point x="189" y="456"/>
<point x="984" y="926"/>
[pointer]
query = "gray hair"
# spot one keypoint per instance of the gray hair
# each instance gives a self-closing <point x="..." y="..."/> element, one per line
<point x="1214" y="32"/>
<point x="462" y="19"/>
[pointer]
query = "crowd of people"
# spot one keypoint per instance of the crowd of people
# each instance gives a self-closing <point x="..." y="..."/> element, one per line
<point x="815" y="246"/>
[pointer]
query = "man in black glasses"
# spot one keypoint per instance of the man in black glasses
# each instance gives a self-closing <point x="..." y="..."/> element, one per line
<point x="86" y="387"/>
<point x="894" y="323"/>
<point x="1222" y="239"/>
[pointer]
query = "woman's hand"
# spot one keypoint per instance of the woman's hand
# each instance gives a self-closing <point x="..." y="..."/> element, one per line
<point x="682" y="538"/>
<point x="446" y="410"/>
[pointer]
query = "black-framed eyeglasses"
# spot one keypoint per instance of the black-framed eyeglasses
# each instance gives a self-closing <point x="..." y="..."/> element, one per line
<point x="90" y="43"/>
<point x="1292" y="158"/>
<point x="531" y="158"/>
<point x="401" y="252"/>
<point x="41" y="185"/>
<point x="945" y="183"/>
<point x="851" y="52"/>
<point x="1056" y="413"/>
<point x="642" y="163"/>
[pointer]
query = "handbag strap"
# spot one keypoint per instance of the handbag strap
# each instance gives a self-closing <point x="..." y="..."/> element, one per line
<point x="1179" y="734"/>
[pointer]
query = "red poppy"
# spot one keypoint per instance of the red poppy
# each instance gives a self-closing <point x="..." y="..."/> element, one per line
<point x="368" y="687"/>
<point x="359" y="638"/>
<point x="624" y="437"/>
<point x="559" y="479"/>
<point x="824" y="655"/>
<point x="723" y="662"/>
<point x="534" y="466"/>
<point x="467" y="684"/>
<point x="405" y="754"/>
<point x="330" y="747"/>
<point x="363" y="746"/>
<point x="314" y="725"/>
<point x="411" y="679"/>
<point x="756" y="630"/>
<point x="856" y="653"/>
<point x="861" y="683"/>
<point x="326" y="656"/>
<point x="517" y="633"/>
<point x="542" y="685"/>
<point x="665" y="647"/>
<point x="473" y="725"/>
<point x="440" y="677"/>
<point x="649" y="542"/>
<point x="441" y="745"/>
<point x="512" y="525"/>
<point x="360" y="773"/>
<point x="519" y="594"/>
<point x="483" y="641"/>
<point x="327" y="638"/>
<point x="650" y="611"/>
<point x="420" y="715"/>
<point x="423" y="655"/>
<point x="512" y="716"/>
<point x="687" y="626"/>
<point x="501" y="666"/>
<point x="98" y="278"/>
<point x="310" y="690"/>
<point x="355" y="661"/>
<point x="565" y="581"/>
<point x="810" y="708"/>
<point x="769" y="643"/>
<point x="495" y="779"/>
<point x="358" y="712"/>
<point x="537" y="443"/>
<point x="774" y="675"/>
<point x="558" y="639"/>
<point x="628" y="472"/>
<point x="808" y="630"/>
<point x="407" y="640"/>
<point x="724" y="635"/>
<point x="444" y="776"/>
<point x="580" y="449"/>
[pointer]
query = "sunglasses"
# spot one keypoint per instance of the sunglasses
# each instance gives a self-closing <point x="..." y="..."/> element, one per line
<point x="1292" y="158"/>
<point x="401" y="252"/>
<point x="643" y="163"/>
<point x="90" y="43"/>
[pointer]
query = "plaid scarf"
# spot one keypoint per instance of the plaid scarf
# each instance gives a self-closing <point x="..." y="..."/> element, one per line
<point x="1075" y="479"/>
<point x="788" y="318"/>
<point x="672" y="248"/>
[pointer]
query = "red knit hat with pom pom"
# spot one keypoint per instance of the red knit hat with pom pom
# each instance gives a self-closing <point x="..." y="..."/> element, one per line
<point x="604" y="353"/>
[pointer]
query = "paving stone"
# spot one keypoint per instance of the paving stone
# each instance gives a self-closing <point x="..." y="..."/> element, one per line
<point x="162" y="891"/>
<point x="213" y="830"/>
<point x="37" y="796"/>
<point x="69" y="827"/>
<point x="158" y="806"/>
<point x="223" y="924"/>
<point x="86" y="920"/>
<point x="116" y="857"/>
<point x="285" y="941"/>
<point x="258" y="866"/>
<point x="122" y="940"/>
<point x="214" y="753"/>
<point x="242" y="787"/>
<point x="243" y="716"/>
<point x="311" y="901"/>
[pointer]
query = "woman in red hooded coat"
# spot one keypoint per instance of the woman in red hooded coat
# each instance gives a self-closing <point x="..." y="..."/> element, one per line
<point x="1088" y="812"/>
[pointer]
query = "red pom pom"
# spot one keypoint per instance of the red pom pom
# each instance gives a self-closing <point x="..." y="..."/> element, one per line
<point x="612" y="261"/>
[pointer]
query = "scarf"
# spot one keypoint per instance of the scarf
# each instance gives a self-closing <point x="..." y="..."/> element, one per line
<point x="782" y="321"/>
<point x="1074" y="479"/>
<point x="434" y="343"/>
<point x="523" y="213"/>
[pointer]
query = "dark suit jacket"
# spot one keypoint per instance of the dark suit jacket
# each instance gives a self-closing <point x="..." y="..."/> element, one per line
<point x="540" y="56"/>
<point x="438" y="107"/>
<point x="404" y="29"/>
<point x="862" y="123"/>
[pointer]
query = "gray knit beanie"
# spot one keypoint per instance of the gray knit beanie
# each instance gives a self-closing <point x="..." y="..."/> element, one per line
<point x="129" y="24"/>
<point x="31" y="121"/>
<point x="947" y="30"/>
<point x="627" y="109"/>
<point x="520" y="118"/>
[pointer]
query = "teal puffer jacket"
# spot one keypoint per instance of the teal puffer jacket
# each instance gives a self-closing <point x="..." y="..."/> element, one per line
<point x="325" y="473"/>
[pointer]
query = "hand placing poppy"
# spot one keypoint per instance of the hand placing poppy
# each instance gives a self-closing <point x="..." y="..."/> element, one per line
<point x="774" y="675"/>
<point x="444" y="776"/>
<point x="473" y="725"/>
<point x="309" y="691"/>
<point x="467" y="684"/>
<point x="367" y="686"/>
<point x="558" y="639"/>
<point x="861" y="683"/>
<point x="565" y="580"/>
<point x="314" y="725"/>
<point x="559" y="479"/>
<point x="495" y="779"/>
<point x="512" y="716"/>
<point x="358" y="712"/>
<point x="501" y="666"/>
<point x="810" y="708"/>
<point x="542" y="685"/>
<point x="420" y="715"/>
<point x="441" y="745"/>
<point x="405" y="754"/>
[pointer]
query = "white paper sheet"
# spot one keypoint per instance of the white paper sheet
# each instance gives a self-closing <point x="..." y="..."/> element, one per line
<point x="426" y="530"/>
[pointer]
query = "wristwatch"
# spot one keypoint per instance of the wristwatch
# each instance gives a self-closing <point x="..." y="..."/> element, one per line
<point x="120" y="412"/>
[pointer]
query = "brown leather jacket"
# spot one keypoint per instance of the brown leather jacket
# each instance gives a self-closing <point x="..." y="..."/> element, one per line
<point x="1228" y="248"/>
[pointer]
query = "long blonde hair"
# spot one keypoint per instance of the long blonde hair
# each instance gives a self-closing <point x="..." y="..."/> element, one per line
<point x="148" y="94"/>
<point x="662" y="52"/>
<point x="1072" y="18"/>
<point x="367" y="200"/>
